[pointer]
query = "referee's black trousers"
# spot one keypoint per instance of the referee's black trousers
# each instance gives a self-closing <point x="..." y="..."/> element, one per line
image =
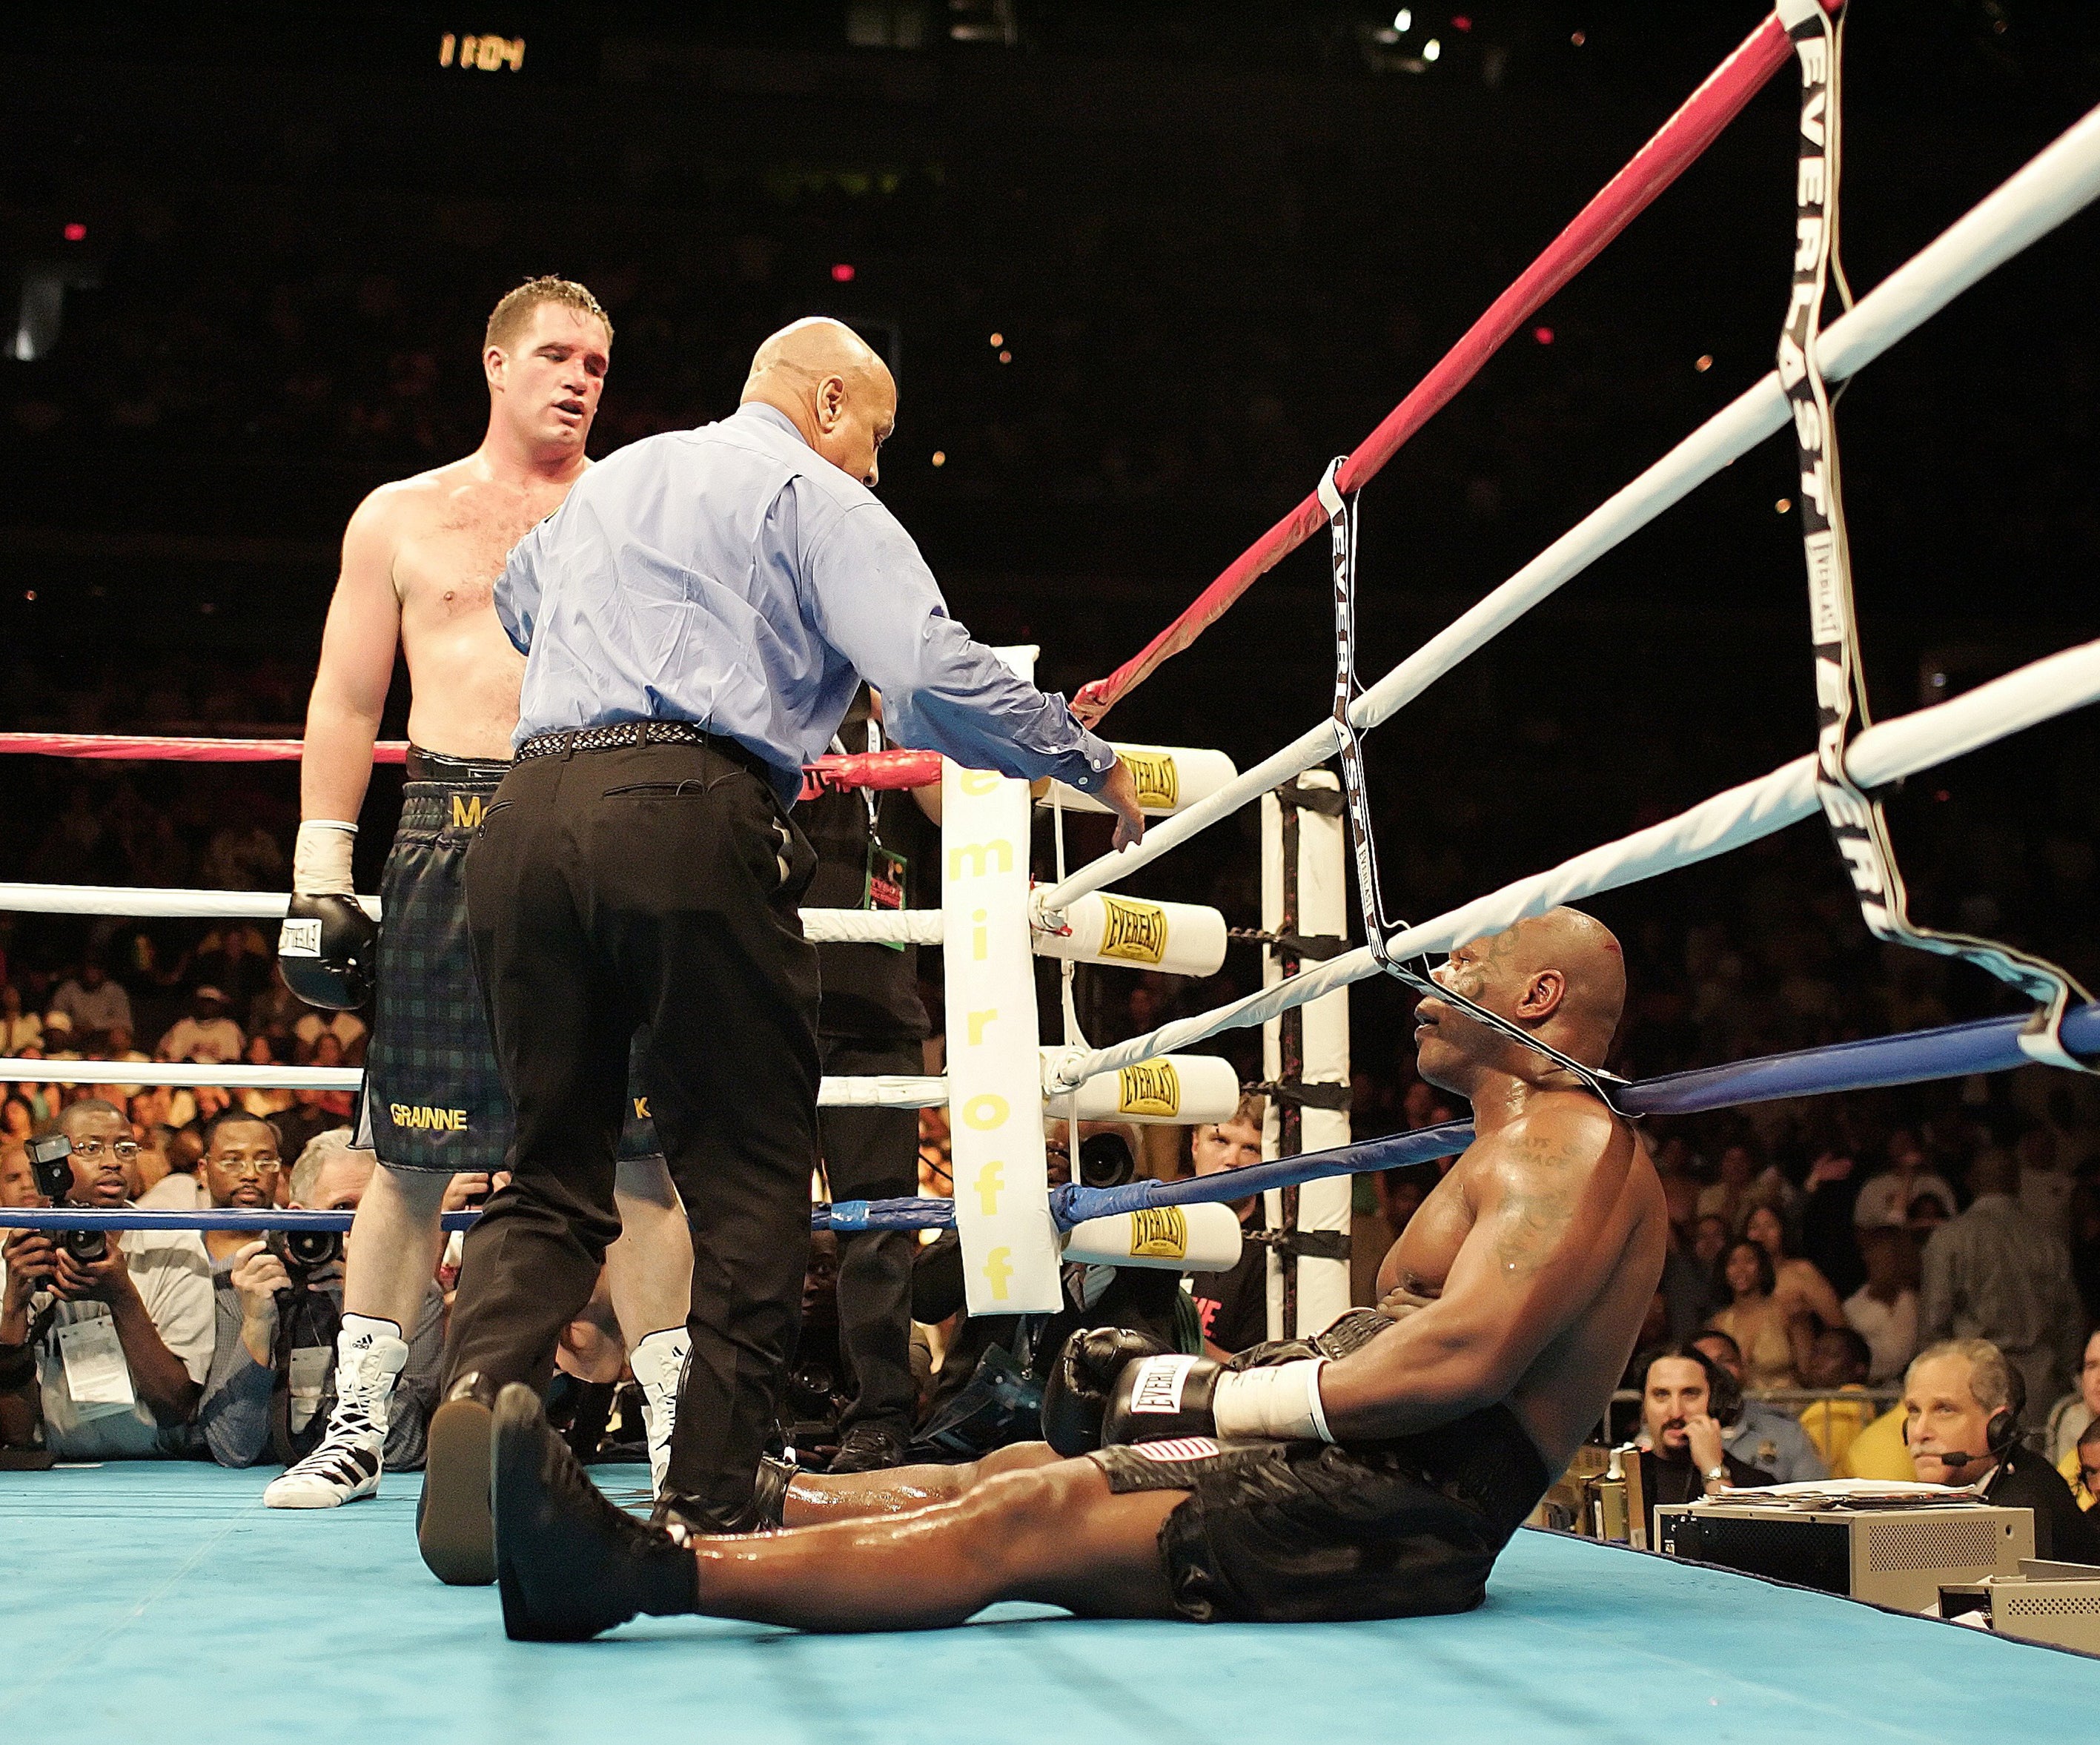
<point x="658" y="885"/>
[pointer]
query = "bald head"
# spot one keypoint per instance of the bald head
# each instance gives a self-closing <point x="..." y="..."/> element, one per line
<point x="829" y="382"/>
<point x="1559" y="976"/>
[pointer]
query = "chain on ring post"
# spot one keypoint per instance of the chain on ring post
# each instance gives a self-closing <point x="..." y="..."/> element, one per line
<point x="1379" y="928"/>
<point x="1856" y="818"/>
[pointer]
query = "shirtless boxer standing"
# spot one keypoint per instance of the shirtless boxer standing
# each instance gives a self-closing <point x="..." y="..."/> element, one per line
<point x="1376" y="1471"/>
<point x="420" y="559"/>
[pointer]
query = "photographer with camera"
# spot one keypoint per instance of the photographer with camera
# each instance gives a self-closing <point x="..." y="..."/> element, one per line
<point x="111" y="1336"/>
<point x="238" y="1173"/>
<point x="276" y="1370"/>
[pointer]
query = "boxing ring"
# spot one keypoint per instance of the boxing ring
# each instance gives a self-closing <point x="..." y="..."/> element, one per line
<point x="1576" y="1640"/>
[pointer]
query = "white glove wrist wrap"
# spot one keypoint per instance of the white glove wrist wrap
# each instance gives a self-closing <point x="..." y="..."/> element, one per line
<point x="320" y="858"/>
<point x="1280" y="1404"/>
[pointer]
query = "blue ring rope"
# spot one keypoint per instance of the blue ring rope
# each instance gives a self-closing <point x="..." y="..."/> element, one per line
<point x="1913" y="1057"/>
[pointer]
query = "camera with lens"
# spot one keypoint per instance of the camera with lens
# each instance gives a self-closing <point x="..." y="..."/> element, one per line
<point x="305" y="1252"/>
<point x="1105" y="1160"/>
<point x="48" y="1157"/>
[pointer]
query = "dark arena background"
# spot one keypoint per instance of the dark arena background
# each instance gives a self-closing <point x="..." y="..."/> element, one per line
<point x="1140" y="270"/>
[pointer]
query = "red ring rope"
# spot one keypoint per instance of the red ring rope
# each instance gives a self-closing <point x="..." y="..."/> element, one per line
<point x="1680" y="139"/>
<point x="883" y="771"/>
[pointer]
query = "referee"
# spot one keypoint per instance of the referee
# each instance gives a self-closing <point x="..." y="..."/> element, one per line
<point x="695" y="618"/>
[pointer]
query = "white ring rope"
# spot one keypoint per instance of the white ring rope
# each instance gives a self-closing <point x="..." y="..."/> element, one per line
<point x="2056" y="184"/>
<point x="822" y="926"/>
<point x="871" y="1091"/>
<point x="1883" y="753"/>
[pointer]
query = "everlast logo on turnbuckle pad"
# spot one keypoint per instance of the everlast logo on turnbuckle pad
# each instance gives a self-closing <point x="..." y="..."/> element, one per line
<point x="1134" y="931"/>
<point x="1151" y="1087"/>
<point x="1159" y="1233"/>
<point x="1158" y="782"/>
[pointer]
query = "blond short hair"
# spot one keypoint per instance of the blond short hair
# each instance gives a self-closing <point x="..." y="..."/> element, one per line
<point x="320" y="1151"/>
<point x="1990" y="1383"/>
<point x="511" y="317"/>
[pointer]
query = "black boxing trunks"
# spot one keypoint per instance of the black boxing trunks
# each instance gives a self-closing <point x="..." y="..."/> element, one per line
<point x="1300" y="1532"/>
<point x="434" y="1097"/>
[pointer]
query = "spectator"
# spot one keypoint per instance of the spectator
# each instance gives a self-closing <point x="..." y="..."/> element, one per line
<point x="236" y="960"/>
<point x="207" y="1035"/>
<point x="91" y="1001"/>
<point x="1887" y="1198"/>
<point x="61" y="1042"/>
<point x="1883" y="1311"/>
<point x="304" y="1121"/>
<point x="134" y="1323"/>
<point x="18" y="1179"/>
<point x="18" y="1029"/>
<point x="1829" y="1197"/>
<point x="1682" y="1457"/>
<point x="18" y="1121"/>
<point x="182" y="1189"/>
<point x="275" y="1333"/>
<point x="1745" y="1182"/>
<point x="1799" y="1286"/>
<point x="1753" y="1320"/>
<point x="1878" y="1452"/>
<point x="242" y="857"/>
<point x="1688" y="1282"/>
<point x="328" y="1052"/>
<point x="1758" y="1435"/>
<point x="347" y="1027"/>
<point x="1837" y="1360"/>
<point x="1961" y="1407"/>
<point x="2045" y="1185"/>
<point x="1710" y="1236"/>
<point x="239" y="1172"/>
<point x="2081" y="1467"/>
<point x="1234" y="1306"/>
<point x="2068" y="1417"/>
<point x="1992" y="1275"/>
<point x="261" y="1051"/>
<point x="116" y="1044"/>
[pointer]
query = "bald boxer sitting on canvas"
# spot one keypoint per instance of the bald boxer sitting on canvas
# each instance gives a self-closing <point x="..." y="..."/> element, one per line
<point x="1376" y="1471"/>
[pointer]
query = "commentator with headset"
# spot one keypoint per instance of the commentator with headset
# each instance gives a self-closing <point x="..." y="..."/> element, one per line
<point x="1961" y="1404"/>
<point x="1686" y="1400"/>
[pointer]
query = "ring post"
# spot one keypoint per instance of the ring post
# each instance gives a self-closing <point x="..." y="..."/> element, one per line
<point x="1304" y="891"/>
<point x="1011" y="1250"/>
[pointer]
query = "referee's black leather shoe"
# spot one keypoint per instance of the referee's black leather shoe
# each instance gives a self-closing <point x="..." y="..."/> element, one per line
<point x="453" y="1529"/>
<point x="569" y="1564"/>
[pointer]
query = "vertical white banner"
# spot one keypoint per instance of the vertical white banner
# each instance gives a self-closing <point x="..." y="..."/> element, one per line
<point x="1011" y="1253"/>
<point x="1323" y="910"/>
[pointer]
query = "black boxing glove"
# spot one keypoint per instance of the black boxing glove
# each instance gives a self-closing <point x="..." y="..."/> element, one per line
<point x="1159" y="1399"/>
<point x="327" y="946"/>
<point x="1076" y="1395"/>
<point x="326" y="950"/>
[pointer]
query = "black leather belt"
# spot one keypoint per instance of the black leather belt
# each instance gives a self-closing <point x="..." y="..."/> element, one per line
<point x="623" y="734"/>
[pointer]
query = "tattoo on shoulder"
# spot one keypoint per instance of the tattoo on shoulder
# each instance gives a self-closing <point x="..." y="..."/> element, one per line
<point x="1535" y="1211"/>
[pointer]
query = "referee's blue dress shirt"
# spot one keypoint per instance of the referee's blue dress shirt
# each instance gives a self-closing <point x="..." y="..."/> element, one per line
<point x="732" y="577"/>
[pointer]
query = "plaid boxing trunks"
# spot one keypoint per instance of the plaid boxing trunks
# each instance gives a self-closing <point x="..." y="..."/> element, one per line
<point x="434" y="1097"/>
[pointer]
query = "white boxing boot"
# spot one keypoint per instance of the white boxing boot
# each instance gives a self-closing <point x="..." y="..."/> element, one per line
<point x="658" y="1363"/>
<point x="369" y="1356"/>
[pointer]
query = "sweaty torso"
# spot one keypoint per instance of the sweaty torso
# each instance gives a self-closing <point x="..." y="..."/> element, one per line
<point x="1562" y="1394"/>
<point x="452" y="530"/>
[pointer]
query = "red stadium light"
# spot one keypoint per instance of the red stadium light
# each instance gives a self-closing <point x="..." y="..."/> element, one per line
<point x="842" y="273"/>
<point x="1542" y="334"/>
<point x="1462" y="23"/>
<point x="76" y="232"/>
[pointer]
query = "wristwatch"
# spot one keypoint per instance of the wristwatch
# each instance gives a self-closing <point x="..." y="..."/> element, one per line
<point x="1717" y="1474"/>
